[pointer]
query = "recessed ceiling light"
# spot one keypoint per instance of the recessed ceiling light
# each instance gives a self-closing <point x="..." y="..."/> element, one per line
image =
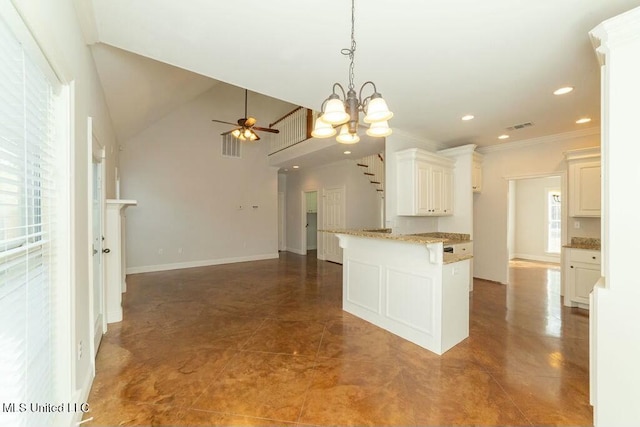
<point x="583" y="120"/>
<point x="296" y="167"/>
<point x="468" y="117"/>
<point x="347" y="152"/>
<point x="505" y="136"/>
<point x="563" y="90"/>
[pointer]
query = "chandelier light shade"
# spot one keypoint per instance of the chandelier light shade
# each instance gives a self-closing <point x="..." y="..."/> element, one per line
<point x="377" y="110"/>
<point x="345" y="110"/>
<point x="346" y="137"/>
<point x="379" y="129"/>
<point x="322" y="129"/>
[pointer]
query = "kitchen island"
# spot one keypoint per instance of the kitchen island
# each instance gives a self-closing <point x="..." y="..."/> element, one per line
<point x="406" y="285"/>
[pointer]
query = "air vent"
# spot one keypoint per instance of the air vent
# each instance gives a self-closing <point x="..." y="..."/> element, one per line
<point x="520" y="126"/>
<point x="230" y="146"/>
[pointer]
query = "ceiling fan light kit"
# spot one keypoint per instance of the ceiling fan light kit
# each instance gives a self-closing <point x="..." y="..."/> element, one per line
<point x="346" y="110"/>
<point x="247" y="129"/>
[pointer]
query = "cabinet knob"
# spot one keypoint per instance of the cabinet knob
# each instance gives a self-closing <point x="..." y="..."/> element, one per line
<point x="572" y="266"/>
<point x="593" y="257"/>
<point x="106" y="250"/>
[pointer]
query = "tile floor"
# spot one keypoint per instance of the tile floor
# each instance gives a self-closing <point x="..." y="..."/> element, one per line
<point x="266" y="343"/>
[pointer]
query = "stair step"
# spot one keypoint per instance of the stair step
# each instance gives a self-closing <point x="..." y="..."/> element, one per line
<point x="369" y="174"/>
<point x="363" y="165"/>
<point x="379" y="190"/>
<point x="375" y="182"/>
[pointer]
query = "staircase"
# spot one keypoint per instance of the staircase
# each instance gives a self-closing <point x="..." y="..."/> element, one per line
<point x="373" y="168"/>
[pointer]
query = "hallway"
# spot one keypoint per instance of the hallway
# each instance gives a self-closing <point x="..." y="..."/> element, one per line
<point x="266" y="342"/>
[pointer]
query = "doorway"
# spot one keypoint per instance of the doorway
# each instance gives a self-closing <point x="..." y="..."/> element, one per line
<point x="309" y="220"/>
<point x="333" y="218"/>
<point x="536" y="222"/>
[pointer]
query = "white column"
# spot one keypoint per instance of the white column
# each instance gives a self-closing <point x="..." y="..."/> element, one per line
<point x="615" y="327"/>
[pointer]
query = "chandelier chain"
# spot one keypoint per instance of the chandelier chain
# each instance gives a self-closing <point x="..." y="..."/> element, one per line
<point x="351" y="52"/>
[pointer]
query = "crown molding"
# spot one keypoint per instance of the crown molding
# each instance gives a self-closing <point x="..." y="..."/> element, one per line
<point x="457" y="151"/>
<point x="541" y="140"/>
<point x="616" y="31"/>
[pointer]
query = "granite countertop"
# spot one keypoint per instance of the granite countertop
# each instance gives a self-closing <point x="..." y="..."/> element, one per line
<point x="449" y="238"/>
<point x="420" y="238"/>
<point x="590" y="243"/>
<point x="448" y="258"/>
<point x="388" y="235"/>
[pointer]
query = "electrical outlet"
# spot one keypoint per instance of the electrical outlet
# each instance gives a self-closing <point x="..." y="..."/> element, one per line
<point x="160" y="251"/>
<point x="576" y="224"/>
<point x="179" y="250"/>
<point x="80" y="350"/>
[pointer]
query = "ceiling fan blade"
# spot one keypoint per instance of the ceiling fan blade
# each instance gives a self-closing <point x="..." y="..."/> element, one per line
<point x="250" y="121"/>
<point x="220" y="121"/>
<point x="257" y="137"/>
<point x="270" y="130"/>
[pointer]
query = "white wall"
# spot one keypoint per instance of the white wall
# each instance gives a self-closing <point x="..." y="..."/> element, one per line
<point x="362" y="199"/>
<point x="196" y="207"/>
<point x="531" y="218"/>
<point x="55" y="26"/>
<point x="519" y="159"/>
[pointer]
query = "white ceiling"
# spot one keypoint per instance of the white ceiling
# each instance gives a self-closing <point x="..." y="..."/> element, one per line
<point x="433" y="61"/>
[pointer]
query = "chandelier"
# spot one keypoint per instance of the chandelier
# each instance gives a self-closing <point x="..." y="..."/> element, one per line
<point x="344" y="111"/>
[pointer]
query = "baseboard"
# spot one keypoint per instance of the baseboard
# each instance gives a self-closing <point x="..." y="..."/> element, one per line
<point x="73" y="415"/>
<point x="203" y="263"/>
<point x="297" y="251"/>
<point x="543" y="258"/>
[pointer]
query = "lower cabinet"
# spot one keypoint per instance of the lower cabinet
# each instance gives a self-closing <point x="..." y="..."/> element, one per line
<point x="581" y="269"/>
<point x="465" y="248"/>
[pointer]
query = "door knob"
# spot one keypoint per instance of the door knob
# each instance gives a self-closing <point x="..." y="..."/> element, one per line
<point x="106" y="250"/>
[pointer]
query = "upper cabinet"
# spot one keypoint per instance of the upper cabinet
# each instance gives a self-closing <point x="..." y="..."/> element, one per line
<point x="425" y="183"/>
<point x="584" y="182"/>
<point x="476" y="174"/>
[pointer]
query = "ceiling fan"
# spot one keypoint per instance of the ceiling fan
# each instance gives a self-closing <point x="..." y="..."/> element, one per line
<point x="247" y="128"/>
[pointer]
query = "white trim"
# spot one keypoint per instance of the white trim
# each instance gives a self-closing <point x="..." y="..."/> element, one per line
<point x="456" y="151"/>
<point x="203" y="263"/>
<point x="300" y="252"/>
<point x="541" y="140"/>
<point x="543" y="258"/>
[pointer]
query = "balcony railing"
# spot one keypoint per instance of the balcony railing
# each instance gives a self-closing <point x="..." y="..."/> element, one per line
<point x="294" y="127"/>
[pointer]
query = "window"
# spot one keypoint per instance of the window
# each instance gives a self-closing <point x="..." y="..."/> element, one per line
<point x="553" y="221"/>
<point x="27" y="221"/>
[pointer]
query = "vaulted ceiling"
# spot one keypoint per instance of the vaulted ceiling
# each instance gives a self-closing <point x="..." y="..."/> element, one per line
<point x="433" y="61"/>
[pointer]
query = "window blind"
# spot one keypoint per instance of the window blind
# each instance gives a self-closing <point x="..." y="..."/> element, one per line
<point x="27" y="197"/>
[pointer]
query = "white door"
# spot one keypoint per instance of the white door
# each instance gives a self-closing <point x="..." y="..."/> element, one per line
<point x="98" y="298"/>
<point x="333" y="214"/>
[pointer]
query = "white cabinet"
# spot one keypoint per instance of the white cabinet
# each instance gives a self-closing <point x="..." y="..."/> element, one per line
<point x="467" y="249"/>
<point x="425" y="183"/>
<point x="584" y="182"/>
<point x="476" y="175"/>
<point x="582" y="270"/>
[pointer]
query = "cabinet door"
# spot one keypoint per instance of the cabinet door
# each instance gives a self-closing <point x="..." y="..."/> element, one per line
<point x="477" y="177"/>
<point x="423" y="190"/>
<point x="437" y="194"/>
<point x="586" y="276"/>
<point x="585" y="189"/>
<point x="447" y="192"/>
